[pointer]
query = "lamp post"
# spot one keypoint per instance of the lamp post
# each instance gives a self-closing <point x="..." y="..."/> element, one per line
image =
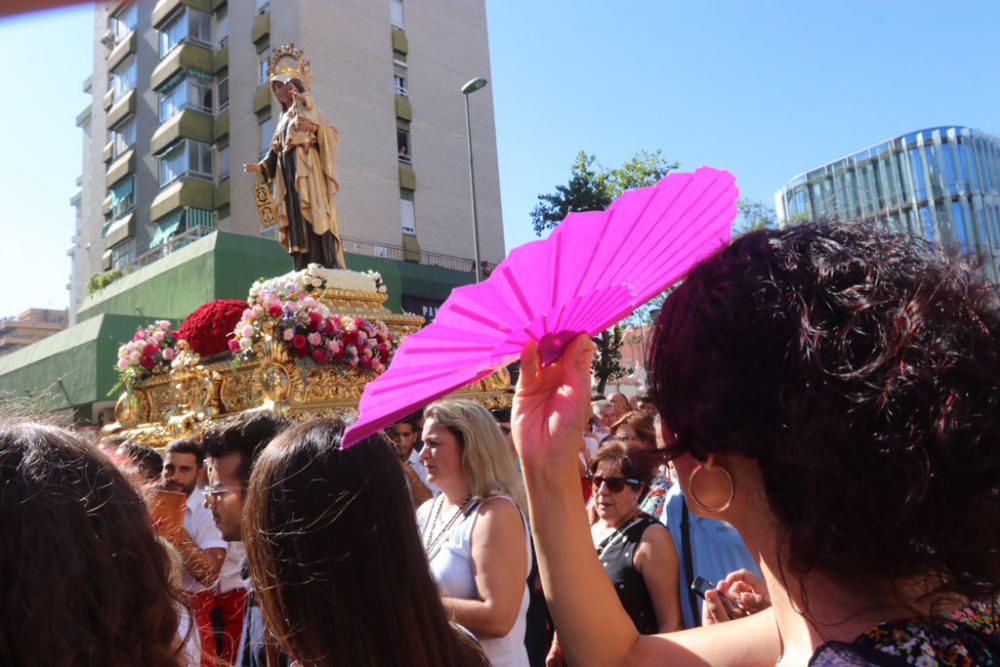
<point x="472" y="86"/>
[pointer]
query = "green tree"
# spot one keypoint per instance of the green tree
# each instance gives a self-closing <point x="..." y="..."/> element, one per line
<point x="592" y="187"/>
<point x="753" y="215"/>
<point x="607" y="363"/>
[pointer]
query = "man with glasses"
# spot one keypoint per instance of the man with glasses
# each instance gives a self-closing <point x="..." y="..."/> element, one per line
<point x="404" y="436"/>
<point x="232" y="448"/>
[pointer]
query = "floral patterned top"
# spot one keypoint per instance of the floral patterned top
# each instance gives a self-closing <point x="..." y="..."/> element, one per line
<point x="968" y="637"/>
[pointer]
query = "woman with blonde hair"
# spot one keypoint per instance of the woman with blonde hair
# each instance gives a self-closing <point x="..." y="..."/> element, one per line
<point x="474" y="532"/>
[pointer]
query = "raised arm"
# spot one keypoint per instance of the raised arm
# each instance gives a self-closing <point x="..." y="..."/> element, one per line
<point x="594" y="630"/>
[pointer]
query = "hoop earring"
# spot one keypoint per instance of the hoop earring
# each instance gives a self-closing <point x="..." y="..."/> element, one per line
<point x="702" y="506"/>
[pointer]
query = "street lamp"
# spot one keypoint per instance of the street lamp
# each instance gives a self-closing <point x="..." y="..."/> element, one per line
<point x="472" y="86"/>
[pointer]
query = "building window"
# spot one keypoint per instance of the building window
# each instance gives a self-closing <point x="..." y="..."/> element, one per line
<point x="186" y="25"/>
<point x="122" y="197"/>
<point x="403" y="144"/>
<point x="123" y="137"/>
<point x="406" y="217"/>
<point x="222" y="90"/>
<point x="122" y="79"/>
<point x="396" y="14"/>
<point x="266" y="134"/>
<point x="123" y="254"/>
<point x="185" y="158"/>
<point x="123" y="22"/>
<point x="399" y="77"/>
<point x="222" y="163"/>
<point x="262" y="57"/>
<point x="188" y="94"/>
<point x="221" y="27"/>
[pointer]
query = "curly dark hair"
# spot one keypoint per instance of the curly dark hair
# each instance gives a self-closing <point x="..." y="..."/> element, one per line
<point x="83" y="580"/>
<point x="861" y="371"/>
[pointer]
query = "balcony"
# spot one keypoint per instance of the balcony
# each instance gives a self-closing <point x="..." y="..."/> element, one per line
<point x="187" y="55"/>
<point x="187" y="124"/>
<point x="403" y="108"/>
<point x="122" y="167"/>
<point x="164" y="8"/>
<point x="121" y="110"/>
<point x="190" y="192"/>
<point x="261" y="27"/>
<point x="122" y="50"/>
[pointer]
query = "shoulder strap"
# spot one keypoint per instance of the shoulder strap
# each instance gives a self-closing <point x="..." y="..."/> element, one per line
<point x="688" y="562"/>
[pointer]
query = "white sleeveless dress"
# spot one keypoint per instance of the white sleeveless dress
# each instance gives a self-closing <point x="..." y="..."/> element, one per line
<point x="451" y="567"/>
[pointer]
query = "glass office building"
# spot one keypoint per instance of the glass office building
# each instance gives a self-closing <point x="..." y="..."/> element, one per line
<point x="941" y="183"/>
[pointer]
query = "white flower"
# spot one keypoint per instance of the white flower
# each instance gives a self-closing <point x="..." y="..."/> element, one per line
<point x="288" y="334"/>
<point x="245" y="343"/>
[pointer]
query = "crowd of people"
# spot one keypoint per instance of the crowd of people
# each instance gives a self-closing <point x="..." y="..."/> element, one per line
<point x="814" y="478"/>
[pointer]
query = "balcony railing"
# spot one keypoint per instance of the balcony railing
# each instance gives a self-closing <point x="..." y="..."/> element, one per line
<point x="451" y="262"/>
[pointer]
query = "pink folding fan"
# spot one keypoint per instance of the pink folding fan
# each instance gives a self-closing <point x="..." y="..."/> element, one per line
<point x="594" y="269"/>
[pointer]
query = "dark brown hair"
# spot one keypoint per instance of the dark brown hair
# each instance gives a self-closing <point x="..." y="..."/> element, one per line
<point x="246" y="433"/>
<point x="630" y="460"/>
<point x="83" y="580"/>
<point x="861" y="371"/>
<point x="187" y="446"/>
<point x="335" y="557"/>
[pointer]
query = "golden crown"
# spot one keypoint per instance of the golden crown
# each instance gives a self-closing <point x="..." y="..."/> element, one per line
<point x="286" y="62"/>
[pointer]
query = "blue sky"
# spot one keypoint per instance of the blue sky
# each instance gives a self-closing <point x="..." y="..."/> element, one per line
<point x="765" y="89"/>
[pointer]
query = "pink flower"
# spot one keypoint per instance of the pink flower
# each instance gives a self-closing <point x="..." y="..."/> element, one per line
<point x="299" y="342"/>
<point x="314" y="338"/>
<point x="169" y="354"/>
<point x="287" y="334"/>
<point x="318" y="355"/>
<point x="248" y="314"/>
<point x="333" y="346"/>
<point x="274" y="309"/>
<point x="247" y="331"/>
<point x="158" y="336"/>
<point x="123" y="364"/>
<point x="234" y="345"/>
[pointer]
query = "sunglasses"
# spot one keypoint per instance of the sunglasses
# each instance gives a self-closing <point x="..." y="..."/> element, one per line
<point x="613" y="484"/>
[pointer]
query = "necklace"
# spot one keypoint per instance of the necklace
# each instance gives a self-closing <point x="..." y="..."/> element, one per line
<point x="617" y="535"/>
<point x="432" y="542"/>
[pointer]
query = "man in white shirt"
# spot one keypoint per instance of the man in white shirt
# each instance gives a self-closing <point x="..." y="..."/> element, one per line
<point x="404" y="436"/>
<point x="200" y="544"/>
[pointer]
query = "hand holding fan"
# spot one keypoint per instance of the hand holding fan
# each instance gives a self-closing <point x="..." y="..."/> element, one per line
<point x="594" y="269"/>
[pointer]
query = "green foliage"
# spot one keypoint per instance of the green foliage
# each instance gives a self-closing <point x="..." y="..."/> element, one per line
<point x="753" y="215"/>
<point x="99" y="281"/>
<point x="607" y="363"/>
<point x="592" y="187"/>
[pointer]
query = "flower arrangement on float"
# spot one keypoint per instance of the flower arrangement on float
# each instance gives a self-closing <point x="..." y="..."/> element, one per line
<point x="150" y="351"/>
<point x="285" y="310"/>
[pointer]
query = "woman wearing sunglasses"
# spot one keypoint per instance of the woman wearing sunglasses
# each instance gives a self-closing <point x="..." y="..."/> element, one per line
<point x="833" y="390"/>
<point x="636" y="429"/>
<point x="636" y="551"/>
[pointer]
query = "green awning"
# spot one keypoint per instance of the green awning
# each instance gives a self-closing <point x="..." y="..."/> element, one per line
<point x="121" y="190"/>
<point x="166" y="227"/>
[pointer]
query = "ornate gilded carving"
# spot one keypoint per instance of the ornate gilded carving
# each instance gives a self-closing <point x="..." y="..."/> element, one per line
<point x="193" y="396"/>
